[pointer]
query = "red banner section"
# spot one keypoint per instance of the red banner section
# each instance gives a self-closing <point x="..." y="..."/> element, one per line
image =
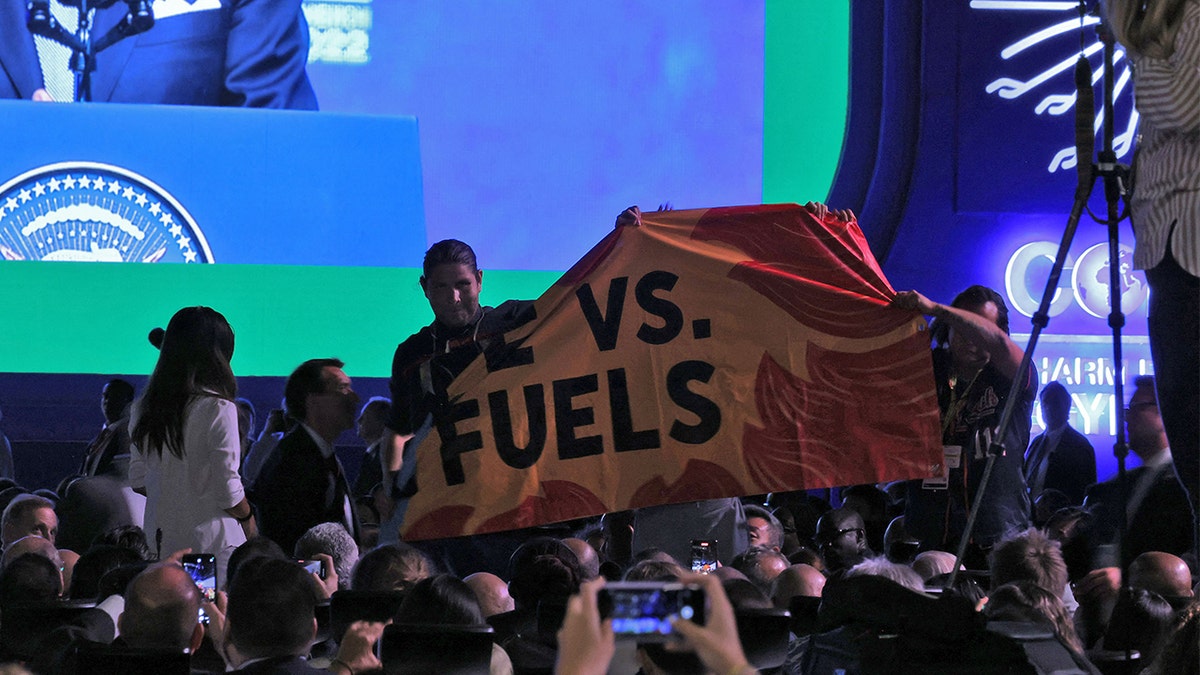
<point x="700" y="354"/>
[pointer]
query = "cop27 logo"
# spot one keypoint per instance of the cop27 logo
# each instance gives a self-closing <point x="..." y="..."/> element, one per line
<point x="1040" y="67"/>
<point x="85" y="211"/>
<point x="1085" y="280"/>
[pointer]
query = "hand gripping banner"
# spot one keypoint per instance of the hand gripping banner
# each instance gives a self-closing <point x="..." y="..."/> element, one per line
<point x="695" y="355"/>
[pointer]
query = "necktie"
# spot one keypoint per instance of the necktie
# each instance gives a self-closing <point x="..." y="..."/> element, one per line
<point x="55" y="58"/>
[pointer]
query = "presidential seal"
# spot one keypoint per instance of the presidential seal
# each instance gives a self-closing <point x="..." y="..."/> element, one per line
<point x="85" y="211"/>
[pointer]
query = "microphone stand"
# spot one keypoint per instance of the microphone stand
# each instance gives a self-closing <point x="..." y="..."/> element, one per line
<point x="40" y="21"/>
<point x="1115" y="179"/>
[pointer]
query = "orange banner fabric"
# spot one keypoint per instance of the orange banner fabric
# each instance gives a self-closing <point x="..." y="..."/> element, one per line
<point x="700" y="354"/>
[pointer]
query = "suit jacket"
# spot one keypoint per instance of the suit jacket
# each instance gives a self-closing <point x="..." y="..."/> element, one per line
<point x="108" y="453"/>
<point x="249" y="53"/>
<point x="1071" y="465"/>
<point x="1162" y="522"/>
<point x="297" y="489"/>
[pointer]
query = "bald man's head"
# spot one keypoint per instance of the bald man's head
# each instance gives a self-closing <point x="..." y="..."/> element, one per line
<point x="930" y="564"/>
<point x="588" y="558"/>
<point x="1163" y="573"/>
<point x="491" y="592"/>
<point x="32" y="544"/>
<point x="796" y="580"/>
<point x="161" y="610"/>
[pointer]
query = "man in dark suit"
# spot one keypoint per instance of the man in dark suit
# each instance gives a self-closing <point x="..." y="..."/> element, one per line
<point x="1158" y="512"/>
<point x="108" y="453"/>
<point x="1061" y="458"/>
<point x="302" y="483"/>
<point x="242" y="53"/>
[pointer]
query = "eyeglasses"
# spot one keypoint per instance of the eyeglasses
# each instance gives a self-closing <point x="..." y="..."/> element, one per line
<point x="859" y="532"/>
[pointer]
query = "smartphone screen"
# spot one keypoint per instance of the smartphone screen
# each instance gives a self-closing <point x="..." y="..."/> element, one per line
<point x="202" y="567"/>
<point x="704" y="558"/>
<point x="316" y="567"/>
<point x="644" y="610"/>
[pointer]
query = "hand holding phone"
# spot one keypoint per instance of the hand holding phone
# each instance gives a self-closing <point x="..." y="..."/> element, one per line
<point x="316" y="567"/>
<point x="202" y="568"/>
<point x="644" y="610"/>
<point x="704" y="558"/>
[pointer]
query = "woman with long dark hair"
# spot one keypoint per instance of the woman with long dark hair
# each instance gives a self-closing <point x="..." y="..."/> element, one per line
<point x="186" y="445"/>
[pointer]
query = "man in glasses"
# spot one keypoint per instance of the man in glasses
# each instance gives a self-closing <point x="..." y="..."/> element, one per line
<point x="842" y="539"/>
<point x="1157" y="509"/>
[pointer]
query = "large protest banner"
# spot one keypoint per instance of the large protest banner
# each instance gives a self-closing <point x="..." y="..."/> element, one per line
<point x="695" y="355"/>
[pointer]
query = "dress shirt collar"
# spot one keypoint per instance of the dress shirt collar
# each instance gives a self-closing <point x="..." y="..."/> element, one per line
<point x="325" y="446"/>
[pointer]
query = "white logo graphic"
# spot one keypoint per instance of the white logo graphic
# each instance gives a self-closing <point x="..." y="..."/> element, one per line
<point x="1054" y="82"/>
<point x="83" y="211"/>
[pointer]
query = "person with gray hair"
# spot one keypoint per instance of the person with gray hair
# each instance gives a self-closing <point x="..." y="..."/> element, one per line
<point x="763" y="528"/>
<point x="882" y="567"/>
<point x="333" y="540"/>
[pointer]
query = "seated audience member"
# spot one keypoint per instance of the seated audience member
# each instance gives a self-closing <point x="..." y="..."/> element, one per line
<point x="763" y="528"/>
<point x="91" y="506"/>
<point x="1164" y="574"/>
<point x="30" y="585"/>
<point x="28" y="580"/>
<point x="127" y="536"/>
<point x="37" y="545"/>
<point x="1180" y="653"/>
<point x="543" y="573"/>
<point x="761" y="566"/>
<point x="1047" y="504"/>
<point x="1030" y="556"/>
<point x="655" y="570"/>
<point x="929" y="564"/>
<point x="589" y="559"/>
<point x="653" y="554"/>
<point x="162" y="610"/>
<point x="842" y="540"/>
<point x="802" y="580"/>
<point x="491" y="592"/>
<point x="93" y="565"/>
<point x="391" y="567"/>
<point x="898" y="545"/>
<point x="1140" y="621"/>
<point x="445" y="600"/>
<point x="874" y="506"/>
<point x="333" y="540"/>
<point x="25" y="515"/>
<point x="255" y="547"/>
<point x="1028" y="601"/>
<point x="882" y="567"/>
<point x="270" y="623"/>
<point x="587" y="644"/>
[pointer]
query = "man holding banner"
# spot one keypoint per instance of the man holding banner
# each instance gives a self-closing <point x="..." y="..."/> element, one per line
<point x="975" y="362"/>
<point x="426" y="362"/>
<point x="701" y="354"/>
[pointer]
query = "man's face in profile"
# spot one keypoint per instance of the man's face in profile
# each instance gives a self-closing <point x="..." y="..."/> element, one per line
<point x="453" y="293"/>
